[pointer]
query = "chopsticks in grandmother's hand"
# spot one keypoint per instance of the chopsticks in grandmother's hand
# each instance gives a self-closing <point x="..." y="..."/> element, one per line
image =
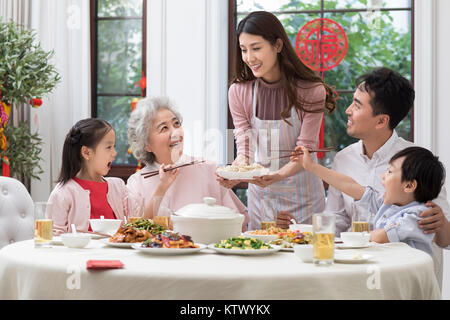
<point x="301" y="152"/>
<point x="155" y="173"/>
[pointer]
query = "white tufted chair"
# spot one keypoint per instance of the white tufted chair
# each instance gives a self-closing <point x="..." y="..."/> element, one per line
<point x="16" y="212"/>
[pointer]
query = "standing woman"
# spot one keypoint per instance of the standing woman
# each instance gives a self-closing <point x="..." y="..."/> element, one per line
<point x="277" y="103"/>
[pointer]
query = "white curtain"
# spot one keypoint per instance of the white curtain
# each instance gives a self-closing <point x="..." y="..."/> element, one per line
<point x="62" y="26"/>
<point x="187" y="60"/>
<point x="16" y="10"/>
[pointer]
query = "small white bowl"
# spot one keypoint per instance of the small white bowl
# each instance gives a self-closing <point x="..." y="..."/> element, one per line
<point x="75" y="240"/>
<point x="304" y="252"/>
<point x="109" y="226"/>
<point x="301" y="227"/>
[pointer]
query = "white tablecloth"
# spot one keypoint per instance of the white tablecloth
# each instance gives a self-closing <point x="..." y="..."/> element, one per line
<point x="397" y="271"/>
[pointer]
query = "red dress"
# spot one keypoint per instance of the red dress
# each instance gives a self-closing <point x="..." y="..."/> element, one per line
<point x="98" y="199"/>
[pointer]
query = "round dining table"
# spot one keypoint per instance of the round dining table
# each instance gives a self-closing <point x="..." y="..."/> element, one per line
<point x="395" y="271"/>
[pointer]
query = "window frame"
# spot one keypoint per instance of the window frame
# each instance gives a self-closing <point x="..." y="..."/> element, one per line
<point x="122" y="171"/>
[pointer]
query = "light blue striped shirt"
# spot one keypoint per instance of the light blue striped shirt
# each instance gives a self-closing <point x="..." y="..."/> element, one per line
<point x="399" y="222"/>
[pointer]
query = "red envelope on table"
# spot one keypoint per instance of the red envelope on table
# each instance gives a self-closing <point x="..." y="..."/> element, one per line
<point x="104" y="264"/>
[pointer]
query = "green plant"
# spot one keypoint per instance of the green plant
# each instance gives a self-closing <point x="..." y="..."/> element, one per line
<point x="24" y="156"/>
<point x="25" y="70"/>
<point x="25" y="74"/>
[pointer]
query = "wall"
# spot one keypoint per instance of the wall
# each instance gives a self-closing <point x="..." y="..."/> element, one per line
<point x="432" y="114"/>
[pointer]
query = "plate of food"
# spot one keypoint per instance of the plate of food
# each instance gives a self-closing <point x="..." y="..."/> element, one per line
<point x="263" y="235"/>
<point x="243" y="246"/>
<point x="108" y="243"/>
<point x="138" y="230"/>
<point x="351" y="257"/>
<point x="242" y="172"/>
<point x="168" y="243"/>
<point x="290" y="238"/>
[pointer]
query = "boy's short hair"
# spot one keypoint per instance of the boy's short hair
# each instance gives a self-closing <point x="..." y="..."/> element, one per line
<point x="390" y="93"/>
<point x="421" y="165"/>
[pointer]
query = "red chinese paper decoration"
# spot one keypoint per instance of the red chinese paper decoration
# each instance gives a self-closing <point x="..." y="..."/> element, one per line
<point x="321" y="44"/>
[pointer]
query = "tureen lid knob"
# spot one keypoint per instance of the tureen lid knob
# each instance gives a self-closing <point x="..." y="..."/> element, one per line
<point x="210" y="201"/>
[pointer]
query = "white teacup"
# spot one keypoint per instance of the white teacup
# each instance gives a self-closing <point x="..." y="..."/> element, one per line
<point x="304" y="252"/>
<point x="355" y="238"/>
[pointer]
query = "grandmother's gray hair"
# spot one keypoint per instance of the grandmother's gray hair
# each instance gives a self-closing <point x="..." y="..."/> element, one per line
<point x="140" y="123"/>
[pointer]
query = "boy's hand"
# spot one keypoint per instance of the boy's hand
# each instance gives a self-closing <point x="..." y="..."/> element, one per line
<point x="305" y="159"/>
<point x="379" y="236"/>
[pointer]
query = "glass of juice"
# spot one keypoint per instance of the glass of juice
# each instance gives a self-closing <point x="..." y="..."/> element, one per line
<point x="324" y="225"/>
<point x="362" y="219"/>
<point x="43" y="225"/>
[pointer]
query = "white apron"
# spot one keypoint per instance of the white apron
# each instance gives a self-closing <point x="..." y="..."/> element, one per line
<point x="302" y="194"/>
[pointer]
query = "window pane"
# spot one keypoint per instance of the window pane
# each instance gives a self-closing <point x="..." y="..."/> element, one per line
<point x="276" y="5"/>
<point x="292" y="23"/>
<point x="364" y="4"/>
<point x="336" y="129"/>
<point x="380" y="41"/>
<point x="116" y="110"/>
<point x="119" y="56"/>
<point x="120" y="8"/>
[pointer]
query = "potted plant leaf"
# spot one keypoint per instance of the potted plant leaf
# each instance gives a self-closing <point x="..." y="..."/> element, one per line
<point x="26" y="75"/>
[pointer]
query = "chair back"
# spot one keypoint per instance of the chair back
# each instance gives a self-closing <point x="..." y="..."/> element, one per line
<point x="16" y="212"/>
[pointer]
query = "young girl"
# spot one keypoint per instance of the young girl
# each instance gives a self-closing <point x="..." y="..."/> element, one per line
<point x="276" y="103"/>
<point x="82" y="192"/>
<point x="414" y="177"/>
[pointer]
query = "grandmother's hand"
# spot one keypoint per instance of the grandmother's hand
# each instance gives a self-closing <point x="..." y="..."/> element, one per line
<point x="166" y="178"/>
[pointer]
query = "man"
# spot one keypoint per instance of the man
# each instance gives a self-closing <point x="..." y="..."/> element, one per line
<point x="382" y="99"/>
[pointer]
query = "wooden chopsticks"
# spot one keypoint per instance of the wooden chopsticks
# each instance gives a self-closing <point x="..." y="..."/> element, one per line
<point x="156" y="172"/>
<point x="327" y="149"/>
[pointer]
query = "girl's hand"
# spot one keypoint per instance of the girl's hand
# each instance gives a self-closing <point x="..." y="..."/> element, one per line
<point x="166" y="178"/>
<point x="240" y="160"/>
<point x="226" y="183"/>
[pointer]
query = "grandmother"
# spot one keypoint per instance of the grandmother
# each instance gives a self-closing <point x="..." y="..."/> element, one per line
<point x="156" y="137"/>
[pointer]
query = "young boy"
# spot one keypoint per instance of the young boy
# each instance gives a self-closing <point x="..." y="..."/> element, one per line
<point x="414" y="176"/>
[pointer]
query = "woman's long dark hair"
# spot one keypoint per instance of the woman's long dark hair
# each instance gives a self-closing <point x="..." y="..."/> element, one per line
<point x="87" y="132"/>
<point x="267" y="25"/>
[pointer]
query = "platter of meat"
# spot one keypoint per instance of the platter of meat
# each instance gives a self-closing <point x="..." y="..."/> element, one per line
<point x="168" y="243"/>
<point x="134" y="232"/>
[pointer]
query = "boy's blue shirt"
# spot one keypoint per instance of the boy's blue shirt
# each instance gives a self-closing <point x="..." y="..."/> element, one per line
<point x="399" y="222"/>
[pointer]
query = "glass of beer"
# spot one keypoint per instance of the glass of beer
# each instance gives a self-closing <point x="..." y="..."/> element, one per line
<point x="269" y="212"/>
<point x="324" y="225"/>
<point x="43" y="225"/>
<point x="361" y="218"/>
